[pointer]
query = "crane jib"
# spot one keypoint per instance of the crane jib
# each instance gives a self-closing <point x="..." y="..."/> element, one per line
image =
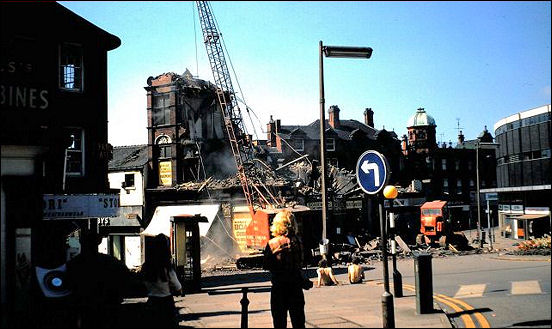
<point x="241" y="145"/>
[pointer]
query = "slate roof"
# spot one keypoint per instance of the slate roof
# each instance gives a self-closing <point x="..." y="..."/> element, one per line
<point x="128" y="157"/>
<point x="312" y="130"/>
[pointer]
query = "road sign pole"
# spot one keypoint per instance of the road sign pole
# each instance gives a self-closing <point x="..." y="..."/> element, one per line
<point x="372" y="174"/>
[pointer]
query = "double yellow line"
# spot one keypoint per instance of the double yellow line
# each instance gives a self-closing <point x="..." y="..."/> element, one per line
<point x="458" y="306"/>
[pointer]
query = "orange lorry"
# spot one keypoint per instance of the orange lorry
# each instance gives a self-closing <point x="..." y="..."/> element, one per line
<point x="436" y="225"/>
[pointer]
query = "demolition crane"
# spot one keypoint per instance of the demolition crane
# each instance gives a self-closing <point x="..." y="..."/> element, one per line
<point x="240" y="141"/>
<point x="261" y="202"/>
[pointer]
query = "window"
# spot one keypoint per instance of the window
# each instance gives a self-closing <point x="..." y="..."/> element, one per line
<point x="161" y="110"/>
<point x="74" y="161"/>
<point x="472" y="183"/>
<point x="298" y="144"/>
<point x="470" y="165"/>
<point x="459" y="186"/>
<point x="70" y="67"/>
<point x="457" y="164"/>
<point x="444" y="164"/>
<point x="445" y="185"/>
<point x="129" y="181"/>
<point x="163" y="147"/>
<point x="330" y="144"/>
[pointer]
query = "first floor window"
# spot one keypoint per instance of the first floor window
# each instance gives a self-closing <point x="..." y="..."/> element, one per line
<point x="129" y="180"/>
<point x="70" y="67"/>
<point x="330" y="144"/>
<point x="298" y="144"/>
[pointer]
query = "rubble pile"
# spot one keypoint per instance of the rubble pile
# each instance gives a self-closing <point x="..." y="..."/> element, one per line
<point x="540" y="246"/>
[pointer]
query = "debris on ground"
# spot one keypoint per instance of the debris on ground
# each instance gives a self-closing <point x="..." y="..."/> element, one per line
<point x="538" y="246"/>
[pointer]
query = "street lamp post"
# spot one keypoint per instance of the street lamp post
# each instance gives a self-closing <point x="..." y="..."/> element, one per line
<point x="341" y="52"/>
<point x="479" y="230"/>
<point x="479" y="235"/>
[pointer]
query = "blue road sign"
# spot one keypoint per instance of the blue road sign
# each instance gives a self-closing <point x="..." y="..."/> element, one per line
<point x="372" y="172"/>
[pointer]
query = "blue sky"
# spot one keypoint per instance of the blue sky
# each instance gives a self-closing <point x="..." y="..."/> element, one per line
<point x="471" y="63"/>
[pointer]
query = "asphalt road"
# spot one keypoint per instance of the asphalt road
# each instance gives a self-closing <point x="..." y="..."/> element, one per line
<point x="501" y="291"/>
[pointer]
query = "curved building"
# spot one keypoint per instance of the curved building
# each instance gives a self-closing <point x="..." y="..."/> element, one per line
<point x="523" y="173"/>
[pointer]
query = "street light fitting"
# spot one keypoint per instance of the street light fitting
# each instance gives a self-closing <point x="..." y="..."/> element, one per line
<point x="347" y="52"/>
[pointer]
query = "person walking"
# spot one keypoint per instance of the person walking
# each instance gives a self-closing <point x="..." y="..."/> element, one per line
<point x="161" y="282"/>
<point x="325" y="274"/>
<point x="283" y="257"/>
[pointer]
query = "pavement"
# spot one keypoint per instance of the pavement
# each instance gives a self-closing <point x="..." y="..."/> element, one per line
<point x="218" y="305"/>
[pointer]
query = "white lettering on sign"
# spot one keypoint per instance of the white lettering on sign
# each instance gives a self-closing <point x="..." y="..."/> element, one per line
<point x="71" y="206"/>
<point x="366" y="167"/>
<point x="23" y="97"/>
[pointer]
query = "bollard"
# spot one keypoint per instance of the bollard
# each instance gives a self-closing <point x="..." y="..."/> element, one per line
<point x="424" y="283"/>
<point x="245" y="303"/>
<point x="397" y="277"/>
<point x="387" y="310"/>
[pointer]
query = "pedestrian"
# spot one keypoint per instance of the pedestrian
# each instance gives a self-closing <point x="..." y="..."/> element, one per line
<point x="283" y="257"/>
<point x="355" y="271"/>
<point x="99" y="283"/>
<point x="162" y="283"/>
<point x="325" y="274"/>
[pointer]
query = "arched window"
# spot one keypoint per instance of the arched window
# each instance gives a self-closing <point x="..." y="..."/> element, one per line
<point x="163" y="148"/>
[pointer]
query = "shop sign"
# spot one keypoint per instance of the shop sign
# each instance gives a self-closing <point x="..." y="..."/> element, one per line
<point x="73" y="206"/>
<point x="336" y="204"/>
<point x="516" y="209"/>
<point x="537" y="210"/>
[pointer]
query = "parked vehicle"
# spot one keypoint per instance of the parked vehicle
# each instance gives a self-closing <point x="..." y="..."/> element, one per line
<point x="437" y="226"/>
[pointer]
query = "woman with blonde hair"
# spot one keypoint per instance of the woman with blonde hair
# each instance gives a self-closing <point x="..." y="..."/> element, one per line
<point x="283" y="257"/>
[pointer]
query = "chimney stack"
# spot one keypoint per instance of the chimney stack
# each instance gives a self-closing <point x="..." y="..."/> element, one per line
<point x="460" y="138"/>
<point x="271" y="132"/>
<point x="334" y="117"/>
<point x="369" y="117"/>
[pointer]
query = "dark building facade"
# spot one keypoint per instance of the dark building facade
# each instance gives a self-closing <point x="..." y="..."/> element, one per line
<point x="349" y="209"/>
<point x="346" y="140"/>
<point x="449" y="173"/>
<point x="53" y="113"/>
<point x="523" y="172"/>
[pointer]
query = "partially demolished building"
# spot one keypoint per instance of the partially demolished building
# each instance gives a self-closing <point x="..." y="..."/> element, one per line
<point x="190" y="164"/>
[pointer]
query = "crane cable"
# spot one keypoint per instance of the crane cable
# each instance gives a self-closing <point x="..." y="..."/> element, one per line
<point x="247" y="108"/>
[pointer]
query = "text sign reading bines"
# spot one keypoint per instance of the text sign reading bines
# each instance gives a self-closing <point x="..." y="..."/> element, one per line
<point x="372" y="172"/>
<point x="73" y="206"/>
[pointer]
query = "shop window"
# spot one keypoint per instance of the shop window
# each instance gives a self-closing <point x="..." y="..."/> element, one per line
<point x="70" y="67"/>
<point x="161" y="110"/>
<point x="74" y="161"/>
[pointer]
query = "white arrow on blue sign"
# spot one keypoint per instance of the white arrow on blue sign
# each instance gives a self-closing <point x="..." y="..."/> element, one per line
<point x="372" y="172"/>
